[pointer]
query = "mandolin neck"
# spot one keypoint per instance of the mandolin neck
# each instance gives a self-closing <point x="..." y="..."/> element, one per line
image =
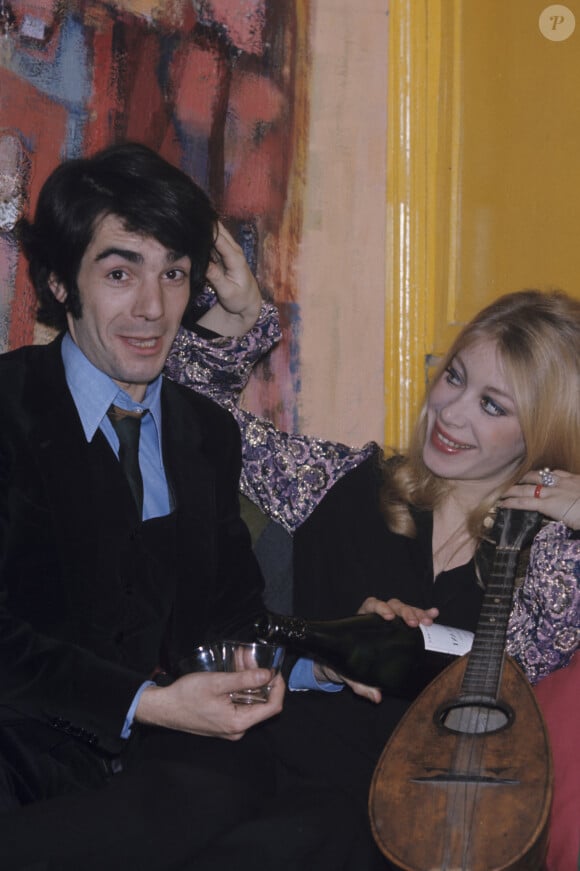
<point x="483" y="673"/>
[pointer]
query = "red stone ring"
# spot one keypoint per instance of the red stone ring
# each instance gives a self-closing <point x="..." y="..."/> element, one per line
<point x="537" y="491"/>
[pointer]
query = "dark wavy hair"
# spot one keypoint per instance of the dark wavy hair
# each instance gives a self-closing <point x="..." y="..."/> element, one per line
<point x="135" y="184"/>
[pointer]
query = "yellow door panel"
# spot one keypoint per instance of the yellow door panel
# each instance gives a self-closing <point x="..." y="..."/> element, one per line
<point x="495" y="203"/>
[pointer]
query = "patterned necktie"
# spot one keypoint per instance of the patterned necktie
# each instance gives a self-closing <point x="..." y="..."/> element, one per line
<point x="127" y="425"/>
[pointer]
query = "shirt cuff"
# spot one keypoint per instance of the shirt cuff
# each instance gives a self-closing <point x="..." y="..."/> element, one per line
<point x="302" y="678"/>
<point x="126" y="731"/>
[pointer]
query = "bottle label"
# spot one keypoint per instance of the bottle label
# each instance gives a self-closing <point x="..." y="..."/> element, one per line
<point x="446" y="639"/>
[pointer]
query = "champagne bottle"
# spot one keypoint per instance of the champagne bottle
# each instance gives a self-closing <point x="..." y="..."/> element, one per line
<point x="388" y="654"/>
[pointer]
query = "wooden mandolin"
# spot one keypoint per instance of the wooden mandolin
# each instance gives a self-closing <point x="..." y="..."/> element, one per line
<point x="465" y="781"/>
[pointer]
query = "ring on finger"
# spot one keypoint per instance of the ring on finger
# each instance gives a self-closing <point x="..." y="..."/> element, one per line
<point x="547" y="477"/>
<point x="537" y="491"/>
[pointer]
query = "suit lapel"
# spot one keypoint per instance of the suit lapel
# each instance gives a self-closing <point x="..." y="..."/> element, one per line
<point x="70" y="465"/>
<point x="190" y="476"/>
<point x="192" y="479"/>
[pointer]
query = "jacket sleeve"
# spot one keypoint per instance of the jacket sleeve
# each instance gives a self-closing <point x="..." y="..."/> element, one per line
<point x="544" y="626"/>
<point x="285" y="475"/>
<point x="220" y="367"/>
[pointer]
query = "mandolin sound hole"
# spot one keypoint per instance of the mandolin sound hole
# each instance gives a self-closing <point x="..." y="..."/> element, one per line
<point x="474" y="719"/>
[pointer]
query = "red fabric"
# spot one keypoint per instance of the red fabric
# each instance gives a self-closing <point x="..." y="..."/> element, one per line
<point x="559" y="698"/>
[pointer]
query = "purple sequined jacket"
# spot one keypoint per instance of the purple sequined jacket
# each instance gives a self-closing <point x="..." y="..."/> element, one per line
<point x="288" y="475"/>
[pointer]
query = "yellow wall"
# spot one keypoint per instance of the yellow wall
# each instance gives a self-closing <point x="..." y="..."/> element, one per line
<point x="519" y="178"/>
<point x="484" y="171"/>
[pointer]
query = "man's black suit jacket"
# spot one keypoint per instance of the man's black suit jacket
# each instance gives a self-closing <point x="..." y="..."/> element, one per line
<point x="91" y="599"/>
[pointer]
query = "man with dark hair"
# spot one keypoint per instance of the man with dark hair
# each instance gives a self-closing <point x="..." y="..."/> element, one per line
<point x="148" y="195"/>
<point x="112" y="570"/>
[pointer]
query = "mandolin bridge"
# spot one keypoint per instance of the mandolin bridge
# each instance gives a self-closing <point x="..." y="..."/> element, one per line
<point x="446" y="777"/>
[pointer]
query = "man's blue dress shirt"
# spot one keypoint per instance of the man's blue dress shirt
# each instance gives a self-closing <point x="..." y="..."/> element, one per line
<point x="93" y="393"/>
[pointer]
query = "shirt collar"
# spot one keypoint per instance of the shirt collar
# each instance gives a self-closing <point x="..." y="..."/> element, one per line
<point x="93" y="391"/>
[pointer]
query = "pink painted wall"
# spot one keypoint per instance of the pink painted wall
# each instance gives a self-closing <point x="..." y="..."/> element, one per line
<point x="341" y="270"/>
<point x="277" y="108"/>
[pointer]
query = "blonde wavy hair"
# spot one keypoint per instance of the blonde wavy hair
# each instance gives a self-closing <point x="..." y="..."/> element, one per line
<point x="538" y="340"/>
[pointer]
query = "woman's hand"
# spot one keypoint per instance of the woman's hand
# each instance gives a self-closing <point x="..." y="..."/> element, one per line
<point x="395" y="608"/>
<point x="388" y="610"/>
<point x="238" y="295"/>
<point x="561" y="501"/>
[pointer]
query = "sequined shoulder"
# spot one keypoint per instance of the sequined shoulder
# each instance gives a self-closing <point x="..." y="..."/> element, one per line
<point x="544" y="627"/>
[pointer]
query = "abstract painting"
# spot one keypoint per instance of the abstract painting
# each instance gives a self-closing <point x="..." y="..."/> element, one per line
<point x="218" y="87"/>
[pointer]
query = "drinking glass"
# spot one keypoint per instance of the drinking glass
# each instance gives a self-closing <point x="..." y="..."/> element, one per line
<point x="243" y="655"/>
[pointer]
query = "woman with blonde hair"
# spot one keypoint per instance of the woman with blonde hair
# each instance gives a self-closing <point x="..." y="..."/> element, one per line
<point x="409" y="534"/>
<point x="500" y="425"/>
<point x="532" y="332"/>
